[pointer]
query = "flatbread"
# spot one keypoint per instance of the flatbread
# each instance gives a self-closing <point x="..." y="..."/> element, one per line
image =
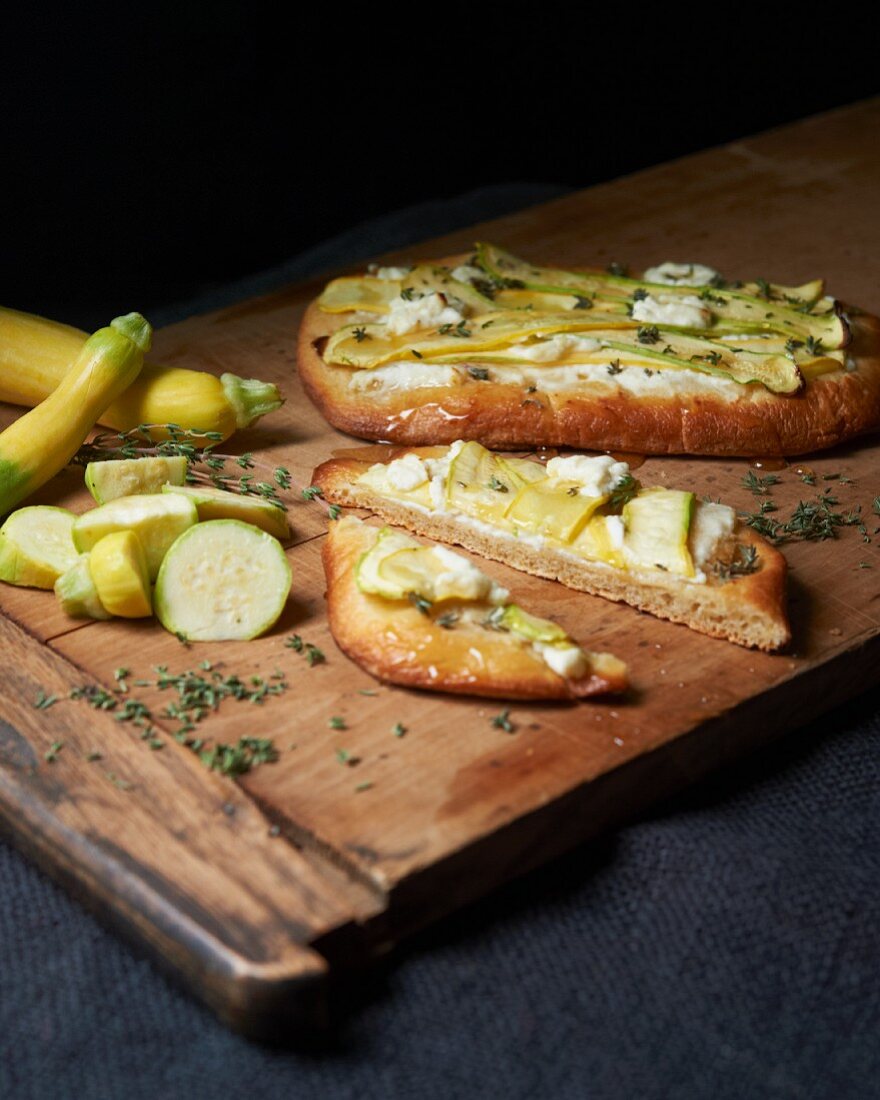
<point x="699" y="414"/>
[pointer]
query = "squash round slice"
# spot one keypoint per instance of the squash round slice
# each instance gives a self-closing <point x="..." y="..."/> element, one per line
<point x="118" y="566"/>
<point x="36" y="546"/>
<point x="222" y="581"/>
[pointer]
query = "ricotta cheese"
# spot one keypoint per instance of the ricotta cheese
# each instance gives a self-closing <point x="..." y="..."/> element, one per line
<point x="545" y="351"/>
<point x="666" y="309"/>
<point x="569" y="661"/>
<point x="407" y="473"/>
<point x="662" y="382"/>
<point x="393" y="274"/>
<point x="403" y="375"/>
<point x="710" y="525"/>
<point x="597" y="476"/>
<point x="431" y="311"/>
<point x="461" y="579"/>
<point x="673" y="274"/>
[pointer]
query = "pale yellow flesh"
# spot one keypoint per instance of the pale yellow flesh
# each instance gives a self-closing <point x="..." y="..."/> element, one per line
<point x="222" y="581"/>
<point x="118" y="567"/>
<point x="157" y="519"/>
<point x="214" y="503"/>
<point x="125" y="477"/>
<point x="36" y="546"/>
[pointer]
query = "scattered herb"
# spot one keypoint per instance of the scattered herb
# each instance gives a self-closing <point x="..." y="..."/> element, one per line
<point x="361" y="334"/>
<point x="614" y="367"/>
<point x="51" y="755"/>
<point x="240" y="758"/>
<point x="815" y="346"/>
<point x="583" y="303"/>
<point x="312" y="492"/>
<point x="764" y="289"/>
<point x="744" y="562"/>
<point x="620" y="270"/>
<point x="420" y="603"/>
<point x="334" y="511"/>
<point x="647" y="334"/>
<point x="447" y="620"/>
<point x="365" y="786"/>
<point x="759" y="485"/>
<point x="498" y="486"/>
<point x="44" y="701"/>
<point x="481" y="374"/>
<point x="337" y="723"/>
<point x="623" y="492"/>
<point x="460" y="330"/>
<point x="346" y="757"/>
<point x="502" y="721"/>
<point x="399" y="729"/>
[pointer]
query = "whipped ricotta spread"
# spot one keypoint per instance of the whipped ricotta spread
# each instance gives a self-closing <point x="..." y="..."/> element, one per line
<point x="407" y="473"/>
<point x="663" y="382"/>
<point x="666" y="309"/>
<point x="407" y="315"/>
<point x="403" y="375"/>
<point x="569" y="661"/>
<point x="711" y="524"/>
<point x="597" y="476"/>
<point x="461" y="579"/>
<point x="393" y="274"/>
<point x="673" y="274"/>
<point x="545" y="351"/>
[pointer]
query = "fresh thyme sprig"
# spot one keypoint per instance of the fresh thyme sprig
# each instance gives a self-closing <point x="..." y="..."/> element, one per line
<point x="205" y="465"/>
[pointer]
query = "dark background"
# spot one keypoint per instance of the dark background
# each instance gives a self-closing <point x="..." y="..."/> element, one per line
<point x="153" y="154"/>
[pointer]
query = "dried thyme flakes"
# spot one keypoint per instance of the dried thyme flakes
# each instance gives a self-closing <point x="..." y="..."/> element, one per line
<point x="811" y="521"/>
<point x="312" y="654"/>
<point x="198" y="693"/>
<point x="240" y="758"/>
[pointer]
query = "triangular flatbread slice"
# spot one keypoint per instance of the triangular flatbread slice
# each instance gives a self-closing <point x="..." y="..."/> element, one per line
<point x="584" y="522"/>
<point x="425" y="617"/>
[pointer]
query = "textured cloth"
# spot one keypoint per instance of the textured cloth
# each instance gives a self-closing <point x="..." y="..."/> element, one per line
<point x="724" y="946"/>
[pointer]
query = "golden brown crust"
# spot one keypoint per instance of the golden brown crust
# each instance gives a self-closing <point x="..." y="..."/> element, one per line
<point x="833" y="408"/>
<point x="396" y="643"/>
<point x="748" y="610"/>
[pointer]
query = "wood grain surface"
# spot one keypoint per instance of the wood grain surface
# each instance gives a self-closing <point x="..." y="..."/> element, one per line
<point x="251" y="890"/>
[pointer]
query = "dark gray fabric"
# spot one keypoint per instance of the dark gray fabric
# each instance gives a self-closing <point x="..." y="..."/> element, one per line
<point x="725" y="946"/>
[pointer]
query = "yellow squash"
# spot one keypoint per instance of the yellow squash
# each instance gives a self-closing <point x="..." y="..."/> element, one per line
<point x="41" y="443"/>
<point x="36" y="354"/>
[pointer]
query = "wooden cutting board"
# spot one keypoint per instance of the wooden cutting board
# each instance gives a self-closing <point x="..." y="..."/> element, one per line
<point x="254" y="891"/>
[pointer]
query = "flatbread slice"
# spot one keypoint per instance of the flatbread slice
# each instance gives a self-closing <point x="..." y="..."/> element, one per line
<point x="585" y="523"/>
<point x="416" y="632"/>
